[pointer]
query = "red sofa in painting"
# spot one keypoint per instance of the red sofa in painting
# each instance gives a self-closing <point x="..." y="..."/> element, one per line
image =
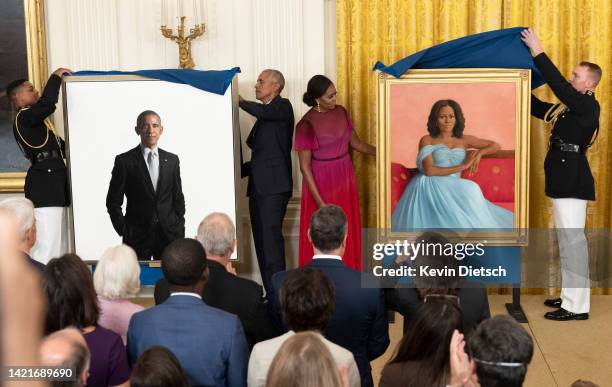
<point x="495" y="177"/>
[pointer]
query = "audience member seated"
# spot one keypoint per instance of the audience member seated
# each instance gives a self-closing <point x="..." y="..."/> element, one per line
<point x="307" y="302"/>
<point x="304" y="361"/>
<point x="23" y="211"/>
<point x="158" y="367"/>
<point x="422" y="356"/>
<point x="502" y="349"/>
<point x="208" y="342"/>
<point x="72" y="301"/>
<point x="117" y="277"/>
<point x="359" y="322"/>
<point x="66" y="348"/>
<point x="224" y="289"/>
<point x="406" y="298"/>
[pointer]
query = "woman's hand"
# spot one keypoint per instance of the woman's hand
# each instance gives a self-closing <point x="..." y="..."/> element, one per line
<point x="474" y="167"/>
<point x="469" y="159"/>
<point x="462" y="368"/>
<point x="321" y="204"/>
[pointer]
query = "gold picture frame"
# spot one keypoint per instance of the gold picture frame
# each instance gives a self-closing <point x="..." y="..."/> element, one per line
<point x="34" y="16"/>
<point x="518" y="80"/>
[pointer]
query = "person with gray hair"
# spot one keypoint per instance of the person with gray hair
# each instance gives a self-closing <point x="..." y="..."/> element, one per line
<point x="23" y="211"/>
<point x="67" y="348"/>
<point x="224" y="289"/>
<point x="269" y="171"/>
<point x="116" y="278"/>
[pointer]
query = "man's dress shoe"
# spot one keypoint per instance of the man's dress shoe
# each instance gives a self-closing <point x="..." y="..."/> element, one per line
<point x="553" y="302"/>
<point x="564" y="315"/>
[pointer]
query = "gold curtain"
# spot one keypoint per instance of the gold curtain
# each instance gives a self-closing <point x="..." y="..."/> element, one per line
<point x="388" y="30"/>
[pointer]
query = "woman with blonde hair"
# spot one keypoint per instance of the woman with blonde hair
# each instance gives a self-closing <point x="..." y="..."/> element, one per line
<point x="304" y="361"/>
<point x="116" y="278"/>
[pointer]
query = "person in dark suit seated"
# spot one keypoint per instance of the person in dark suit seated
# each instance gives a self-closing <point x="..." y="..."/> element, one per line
<point x="502" y="349"/>
<point x="422" y="357"/>
<point x="407" y="298"/>
<point x="150" y="180"/>
<point x="270" y="177"/>
<point x="208" y="342"/>
<point x="359" y="322"/>
<point x="224" y="289"/>
<point x="23" y="211"/>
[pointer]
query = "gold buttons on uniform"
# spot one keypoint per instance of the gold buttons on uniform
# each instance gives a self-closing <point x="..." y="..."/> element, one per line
<point x="562" y="160"/>
<point x="48" y="170"/>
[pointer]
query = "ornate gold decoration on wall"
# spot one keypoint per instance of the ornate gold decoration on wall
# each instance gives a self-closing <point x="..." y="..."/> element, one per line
<point x="184" y="42"/>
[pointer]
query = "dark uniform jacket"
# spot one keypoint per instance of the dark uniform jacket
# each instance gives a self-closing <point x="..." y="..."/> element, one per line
<point x="46" y="183"/>
<point x="567" y="174"/>
<point x="233" y="294"/>
<point x="270" y="141"/>
<point x="146" y="207"/>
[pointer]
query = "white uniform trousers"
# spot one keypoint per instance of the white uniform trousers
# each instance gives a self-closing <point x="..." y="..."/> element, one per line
<point x="570" y="218"/>
<point x="51" y="233"/>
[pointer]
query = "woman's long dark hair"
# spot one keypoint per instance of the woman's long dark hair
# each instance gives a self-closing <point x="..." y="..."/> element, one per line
<point x="426" y="343"/>
<point x="71" y="297"/>
<point x="432" y="121"/>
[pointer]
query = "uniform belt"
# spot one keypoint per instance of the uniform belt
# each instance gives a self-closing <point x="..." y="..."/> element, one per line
<point x="330" y="159"/>
<point x="46" y="155"/>
<point x="565" y="147"/>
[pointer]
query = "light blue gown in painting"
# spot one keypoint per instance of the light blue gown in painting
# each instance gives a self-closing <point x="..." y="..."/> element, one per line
<point x="431" y="202"/>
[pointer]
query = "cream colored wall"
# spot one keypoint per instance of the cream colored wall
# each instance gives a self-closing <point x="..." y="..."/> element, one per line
<point x="295" y="36"/>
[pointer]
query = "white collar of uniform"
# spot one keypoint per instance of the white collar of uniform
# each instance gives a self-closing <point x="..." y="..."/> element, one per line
<point x="327" y="256"/>
<point x="186" y="294"/>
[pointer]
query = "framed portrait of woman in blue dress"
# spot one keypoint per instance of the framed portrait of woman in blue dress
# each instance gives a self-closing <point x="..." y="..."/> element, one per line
<point x="454" y="153"/>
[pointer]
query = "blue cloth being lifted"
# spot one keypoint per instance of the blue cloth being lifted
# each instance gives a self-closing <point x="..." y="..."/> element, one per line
<point x="213" y="81"/>
<point x="493" y="49"/>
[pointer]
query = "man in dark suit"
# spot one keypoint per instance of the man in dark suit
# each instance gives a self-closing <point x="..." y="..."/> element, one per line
<point x="270" y="181"/>
<point x="224" y="289"/>
<point x="150" y="179"/>
<point x="568" y="177"/>
<point x="359" y="322"/>
<point x="208" y="342"/>
<point x="23" y="211"/>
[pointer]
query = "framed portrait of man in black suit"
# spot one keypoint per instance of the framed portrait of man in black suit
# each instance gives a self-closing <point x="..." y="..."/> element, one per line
<point x="116" y="196"/>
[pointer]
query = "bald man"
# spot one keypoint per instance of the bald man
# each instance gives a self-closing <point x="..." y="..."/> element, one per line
<point x="67" y="348"/>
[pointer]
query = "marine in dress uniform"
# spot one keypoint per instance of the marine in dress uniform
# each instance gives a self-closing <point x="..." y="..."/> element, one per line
<point x="568" y="177"/>
<point x="46" y="182"/>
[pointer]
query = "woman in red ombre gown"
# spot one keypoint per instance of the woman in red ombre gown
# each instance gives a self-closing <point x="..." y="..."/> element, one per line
<point x="322" y="139"/>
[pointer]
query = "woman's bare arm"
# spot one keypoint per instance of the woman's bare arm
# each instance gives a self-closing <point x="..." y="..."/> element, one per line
<point x="361" y="146"/>
<point x="305" y="157"/>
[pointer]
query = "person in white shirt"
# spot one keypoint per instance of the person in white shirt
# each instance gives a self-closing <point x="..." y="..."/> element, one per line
<point x="307" y="300"/>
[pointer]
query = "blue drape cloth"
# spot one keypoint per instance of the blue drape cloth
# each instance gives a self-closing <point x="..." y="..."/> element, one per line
<point x="213" y="81"/>
<point x="493" y="49"/>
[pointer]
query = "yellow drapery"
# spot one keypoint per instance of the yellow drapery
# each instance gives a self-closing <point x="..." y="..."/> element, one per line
<point x="388" y="30"/>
